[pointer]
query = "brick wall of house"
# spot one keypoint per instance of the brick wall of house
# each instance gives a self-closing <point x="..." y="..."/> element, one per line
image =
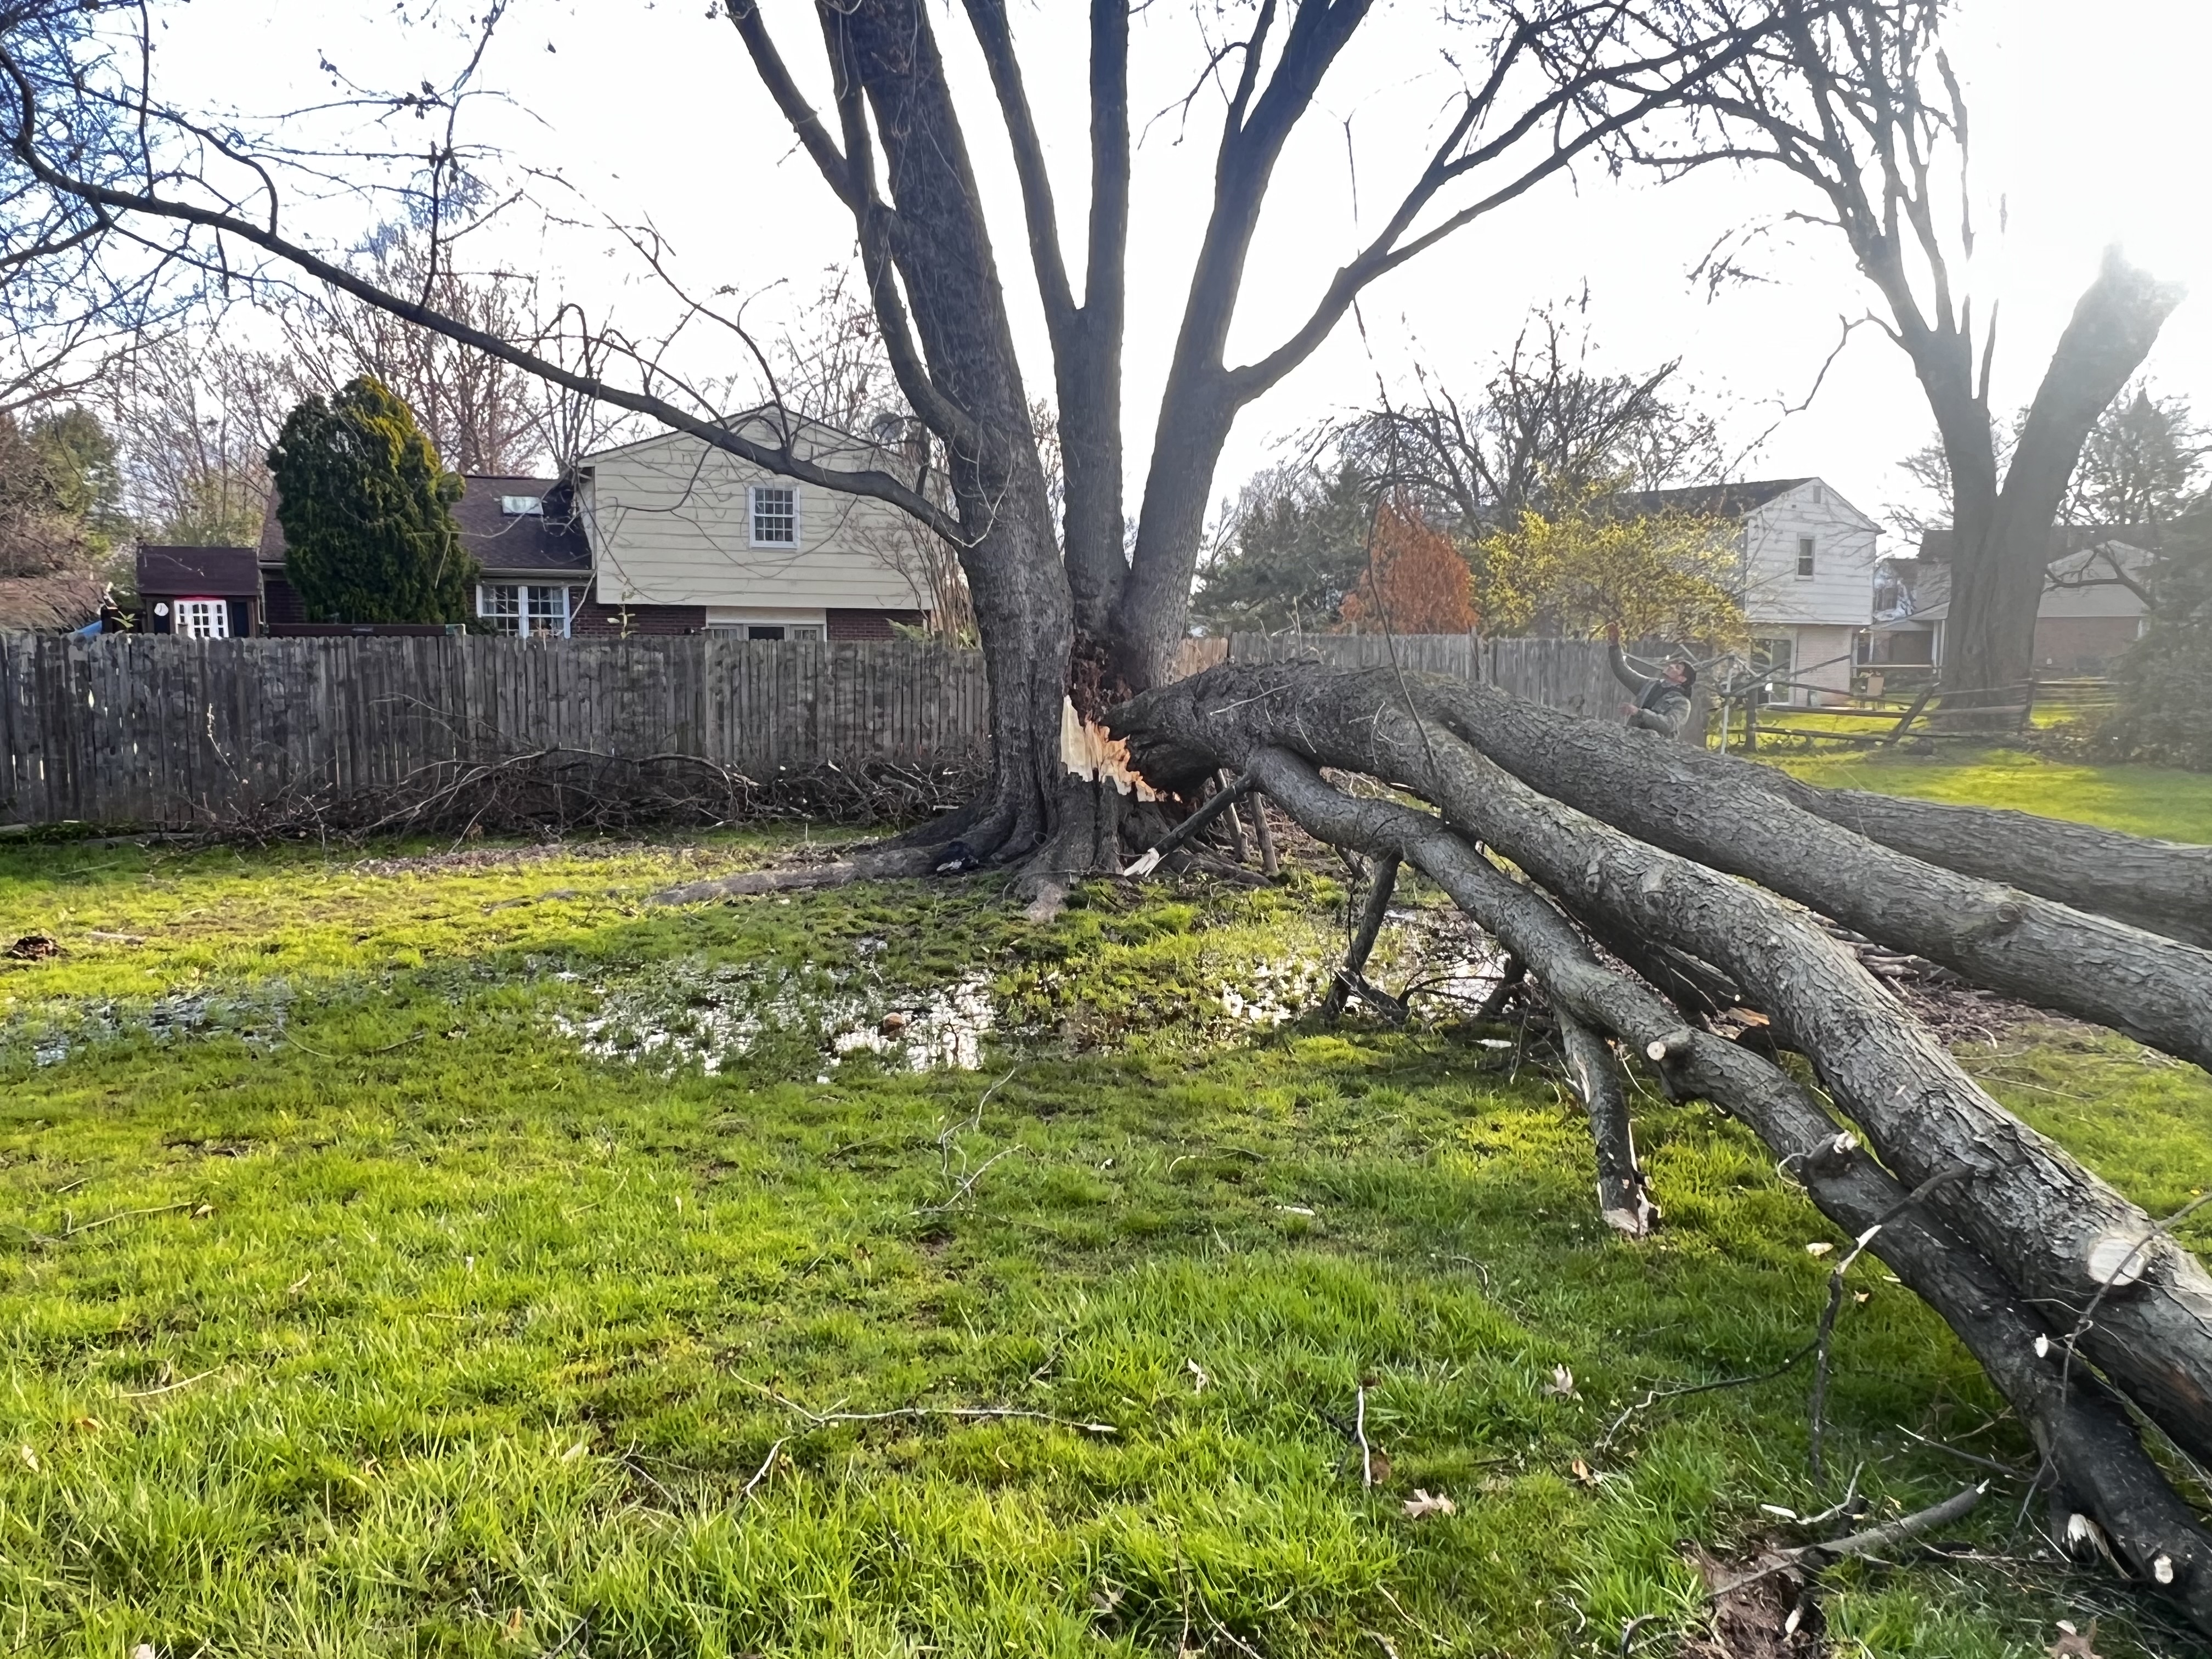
<point x="2081" y="645"/>
<point x="589" y="619"/>
<point x="868" y="624"/>
<point x="280" y="600"/>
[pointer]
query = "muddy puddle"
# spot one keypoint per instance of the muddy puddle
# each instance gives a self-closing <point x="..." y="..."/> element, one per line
<point x="686" y="1015"/>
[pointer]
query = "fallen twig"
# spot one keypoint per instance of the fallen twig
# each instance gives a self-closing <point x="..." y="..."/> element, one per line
<point x="762" y="1472"/>
<point x="1658" y="1395"/>
<point x="169" y="1387"/>
<point x="1869" y="1542"/>
<point x="412" y="1037"/>
<point x="1827" y="1331"/>
<point x="967" y="1186"/>
<point x="1359" y="1434"/>
<point x="2005" y="1469"/>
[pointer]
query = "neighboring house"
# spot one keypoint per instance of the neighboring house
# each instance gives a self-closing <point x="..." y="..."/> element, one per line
<point x="201" y="592"/>
<point x="1808" y="559"/>
<point x="2092" y="608"/>
<point x="537" y="568"/>
<point x="669" y="535"/>
<point x="687" y="536"/>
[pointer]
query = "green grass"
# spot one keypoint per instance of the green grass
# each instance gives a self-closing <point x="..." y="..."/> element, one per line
<point x="2143" y="801"/>
<point x="350" y="1306"/>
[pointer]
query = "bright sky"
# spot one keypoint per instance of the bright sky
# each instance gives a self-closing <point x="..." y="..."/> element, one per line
<point x="2089" y="120"/>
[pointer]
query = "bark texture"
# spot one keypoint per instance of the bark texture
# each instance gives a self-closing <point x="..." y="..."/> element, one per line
<point x="1723" y="813"/>
<point x="2082" y="1428"/>
<point x="2028" y="1206"/>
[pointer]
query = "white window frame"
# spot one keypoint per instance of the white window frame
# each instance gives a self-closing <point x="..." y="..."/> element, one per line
<point x="753" y="493"/>
<point x="187" y="616"/>
<point x="1808" y="557"/>
<point x="534" y="616"/>
<point x="812" y="632"/>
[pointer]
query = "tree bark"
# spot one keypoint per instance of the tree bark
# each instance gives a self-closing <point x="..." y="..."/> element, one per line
<point x="886" y="49"/>
<point x="1382" y="883"/>
<point x="2082" y="1431"/>
<point x="2162" y="886"/>
<point x="1623" y="1203"/>
<point x="2002" y="534"/>
<point x="2036" y="1213"/>
<point x="1718" y="812"/>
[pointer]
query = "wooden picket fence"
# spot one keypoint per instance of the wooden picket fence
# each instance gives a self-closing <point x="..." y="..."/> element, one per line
<point x="1568" y="674"/>
<point x="164" y="732"/>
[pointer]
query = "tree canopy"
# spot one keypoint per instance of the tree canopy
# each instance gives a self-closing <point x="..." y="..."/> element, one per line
<point x="1587" y="563"/>
<point x="367" y="508"/>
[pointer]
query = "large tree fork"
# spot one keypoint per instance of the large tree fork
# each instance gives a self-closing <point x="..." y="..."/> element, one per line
<point x="2009" y="1239"/>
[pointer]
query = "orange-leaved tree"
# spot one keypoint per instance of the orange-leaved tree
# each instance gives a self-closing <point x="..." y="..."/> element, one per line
<point x="1416" y="580"/>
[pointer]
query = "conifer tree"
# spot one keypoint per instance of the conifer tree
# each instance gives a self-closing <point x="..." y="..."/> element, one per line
<point x="2165" y="679"/>
<point x="368" y="512"/>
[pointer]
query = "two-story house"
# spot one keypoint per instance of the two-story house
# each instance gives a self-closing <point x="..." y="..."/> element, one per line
<point x="1805" y="562"/>
<point x="685" y="533"/>
<point x="669" y="535"/>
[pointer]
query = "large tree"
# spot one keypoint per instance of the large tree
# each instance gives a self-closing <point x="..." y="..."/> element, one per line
<point x="1857" y="99"/>
<point x="1065" y="606"/>
<point x="1703" y="874"/>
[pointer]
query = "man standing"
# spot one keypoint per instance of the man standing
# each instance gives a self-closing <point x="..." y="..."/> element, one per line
<point x="1661" y="705"/>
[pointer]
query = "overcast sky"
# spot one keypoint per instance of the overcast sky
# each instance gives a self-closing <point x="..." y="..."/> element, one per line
<point x="2089" y="127"/>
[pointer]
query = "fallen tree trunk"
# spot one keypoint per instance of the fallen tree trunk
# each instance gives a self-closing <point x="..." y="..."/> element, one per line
<point x="2161" y="885"/>
<point x="2082" y="1432"/>
<point x="1716" y="811"/>
<point x="2043" y="1220"/>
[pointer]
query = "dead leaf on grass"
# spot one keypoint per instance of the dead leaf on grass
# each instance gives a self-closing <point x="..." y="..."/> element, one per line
<point x="34" y="947"/>
<point x="1562" y="1383"/>
<point x="1424" y="1504"/>
<point x="2074" y="1643"/>
<point x="1582" y="1472"/>
<point x="1818" y="1248"/>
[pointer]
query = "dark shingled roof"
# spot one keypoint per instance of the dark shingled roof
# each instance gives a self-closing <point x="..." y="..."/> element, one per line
<point x="224" y="573"/>
<point x="553" y="540"/>
<point x="1728" y="500"/>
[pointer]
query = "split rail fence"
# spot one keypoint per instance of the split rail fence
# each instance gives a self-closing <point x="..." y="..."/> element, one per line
<point x="164" y="732"/>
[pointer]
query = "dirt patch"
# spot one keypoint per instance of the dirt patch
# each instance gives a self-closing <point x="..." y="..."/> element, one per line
<point x="1769" y="1617"/>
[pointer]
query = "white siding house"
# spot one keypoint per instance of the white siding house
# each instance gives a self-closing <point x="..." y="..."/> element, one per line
<point x="678" y="526"/>
<point x="1807" y="569"/>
